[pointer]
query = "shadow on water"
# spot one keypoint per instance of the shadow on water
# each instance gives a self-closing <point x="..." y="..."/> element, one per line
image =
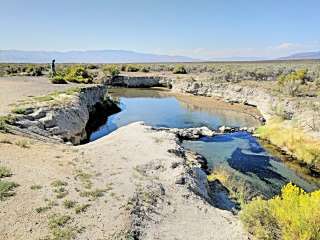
<point x="241" y="156"/>
<point x="253" y="164"/>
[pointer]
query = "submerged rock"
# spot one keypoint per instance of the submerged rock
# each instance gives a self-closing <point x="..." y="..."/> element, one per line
<point x="190" y="133"/>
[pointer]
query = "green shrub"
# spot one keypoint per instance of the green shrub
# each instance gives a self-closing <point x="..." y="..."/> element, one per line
<point x="179" y="69"/>
<point x="132" y="68"/>
<point x="294" y="214"/>
<point x="123" y="67"/>
<point x="144" y="69"/>
<point x="111" y="70"/>
<point x="58" y="79"/>
<point x="34" y="70"/>
<point x="78" y="74"/>
<point x="290" y="83"/>
<point x="92" y="66"/>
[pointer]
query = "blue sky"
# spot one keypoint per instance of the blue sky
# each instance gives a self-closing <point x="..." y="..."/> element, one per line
<point x="203" y="28"/>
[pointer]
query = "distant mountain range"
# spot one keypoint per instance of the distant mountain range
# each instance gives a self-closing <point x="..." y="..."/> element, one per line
<point x="121" y="56"/>
<point x="97" y="56"/>
<point x="303" y="55"/>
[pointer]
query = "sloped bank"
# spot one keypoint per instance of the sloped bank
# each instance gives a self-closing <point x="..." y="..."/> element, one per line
<point x="301" y="110"/>
<point x="297" y="131"/>
<point x="300" y="115"/>
<point x="64" y="116"/>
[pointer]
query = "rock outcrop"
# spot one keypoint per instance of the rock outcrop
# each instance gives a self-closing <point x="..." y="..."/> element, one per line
<point x="139" y="81"/>
<point x="64" y="122"/>
<point x="300" y="110"/>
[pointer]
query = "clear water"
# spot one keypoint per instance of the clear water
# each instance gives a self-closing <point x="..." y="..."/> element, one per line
<point x="241" y="154"/>
<point x="166" y="111"/>
<point x="238" y="153"/>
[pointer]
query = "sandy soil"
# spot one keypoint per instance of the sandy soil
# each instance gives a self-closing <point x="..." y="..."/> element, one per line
<point x="14" y="89"/>
<point x="128" y="161"/>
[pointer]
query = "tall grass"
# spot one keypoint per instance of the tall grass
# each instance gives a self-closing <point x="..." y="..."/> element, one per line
<point x="293" y="139"/>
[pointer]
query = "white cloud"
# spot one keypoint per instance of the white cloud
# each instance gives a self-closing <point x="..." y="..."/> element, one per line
<point x="287" y="45"/>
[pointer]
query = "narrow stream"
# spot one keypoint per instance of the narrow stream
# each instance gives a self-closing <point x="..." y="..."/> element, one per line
<point x="238" y="153"/>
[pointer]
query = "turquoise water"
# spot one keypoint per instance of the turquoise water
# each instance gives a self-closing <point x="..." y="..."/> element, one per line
<point x="238" y="153"/>
<point x="241" y="154"/>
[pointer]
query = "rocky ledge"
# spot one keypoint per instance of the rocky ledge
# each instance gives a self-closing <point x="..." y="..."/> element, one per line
<point x="302" y="111"/>
<point x="65" y="117"/>
<point x="196" y="133"/>
<point x="139" y="81"/>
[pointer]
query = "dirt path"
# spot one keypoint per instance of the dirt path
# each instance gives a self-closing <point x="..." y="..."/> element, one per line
<point x="14" y="89"/>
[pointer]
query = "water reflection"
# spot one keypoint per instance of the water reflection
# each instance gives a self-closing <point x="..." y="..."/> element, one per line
<point x="159" y="109"/>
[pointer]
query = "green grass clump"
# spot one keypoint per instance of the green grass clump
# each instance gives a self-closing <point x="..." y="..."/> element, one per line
<point x="294" y="214"/>
<point x="42" y="209"/>
<point x="82" y="208"/>
<point x="59" y="188"/>
<point x="97" y="193"/>
<point x="5" y="172"/>
<point x="4" y="123"/>
<point x="61" y="192"/>
<point x="5" y="141"/>
<point x="7" y="189"/>
<point x="23" y="144"/>
<point x="85" y="178"/>
<point x="57" y="220"/>
<point x="59" y="183"/>
<point x="20" y="110"/>
<point x="35" y="187"/>
<point x="60" y="228"/>
<point x="69" y="204"/>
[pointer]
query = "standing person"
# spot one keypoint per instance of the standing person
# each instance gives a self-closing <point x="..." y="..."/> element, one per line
<point x="53" y="68"/>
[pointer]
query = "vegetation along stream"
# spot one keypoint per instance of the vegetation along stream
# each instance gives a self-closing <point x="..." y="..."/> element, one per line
<point x="238" y="154"/>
